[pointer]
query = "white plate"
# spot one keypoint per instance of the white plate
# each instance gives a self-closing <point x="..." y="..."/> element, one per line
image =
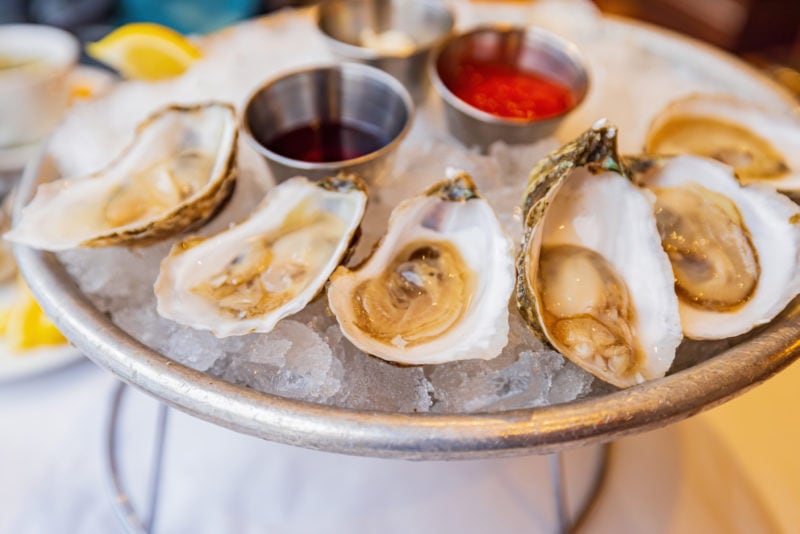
<point x="16" y="365"/>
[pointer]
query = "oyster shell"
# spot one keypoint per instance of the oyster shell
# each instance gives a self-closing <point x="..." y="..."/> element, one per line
<point x="245" y="279"/>
<point x="176" y="174"/>
<point x="592" y="279"/>
<point x="735" y="250"/>
<point x="436" y="289"/>
<point x="762" y="146"/>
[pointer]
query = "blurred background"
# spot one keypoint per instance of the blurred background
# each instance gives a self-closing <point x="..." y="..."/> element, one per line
<point x="738" y="25"/>
<point x="90" y="19"/>
<point x="765" y="32"/>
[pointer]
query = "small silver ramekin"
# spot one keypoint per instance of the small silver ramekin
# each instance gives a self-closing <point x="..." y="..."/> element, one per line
<point x="527" y="48"/>
<point x="347" y="93"/>
<point x="351" y="26"/>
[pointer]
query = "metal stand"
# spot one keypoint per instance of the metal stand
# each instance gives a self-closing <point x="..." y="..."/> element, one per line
<point x="134" y="523"/>
<point x="123" y="507"/>
<point x="566" y="522"/>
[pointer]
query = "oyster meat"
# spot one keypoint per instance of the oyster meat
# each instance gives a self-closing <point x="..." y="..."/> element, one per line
<point x="592" y="278"/>
<point x="437" y="287"/>
<point x="761" y="145"/>
<point x="735" y="250"/>
<point x="176" y="174"/>
<point x="245" y="279"/>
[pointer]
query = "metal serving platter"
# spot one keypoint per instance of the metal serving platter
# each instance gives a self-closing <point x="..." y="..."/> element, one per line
<point x="412" y="436"/>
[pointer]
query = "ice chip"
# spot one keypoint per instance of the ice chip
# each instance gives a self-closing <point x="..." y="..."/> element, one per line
<point x="291" y="361"/>
<point x="369" y="383"/>
<point x="114" y="277"/>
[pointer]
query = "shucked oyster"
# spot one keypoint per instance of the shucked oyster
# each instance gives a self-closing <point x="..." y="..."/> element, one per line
<point x="760" y="145"/>
<point x="735" y="250"/>
<point x="593" y="279"/>
<point x="250" y="276"/>
<point x="177" y="173"/>
<point x="437" y="287"/>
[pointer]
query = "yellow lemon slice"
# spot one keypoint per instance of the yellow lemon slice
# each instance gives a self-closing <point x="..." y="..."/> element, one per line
<point x="145" y="51"/>
<point x="24" y="324"/>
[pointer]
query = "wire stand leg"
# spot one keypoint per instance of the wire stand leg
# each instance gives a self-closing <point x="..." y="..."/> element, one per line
<point x="559" y="482"/>
<point x="121" y="502"/>
<point x="134" y="524"/>
<point x="156" y="467"/>
<point x="564" y="522"/>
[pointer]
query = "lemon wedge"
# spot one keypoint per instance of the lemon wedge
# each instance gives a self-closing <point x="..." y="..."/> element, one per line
<point x="145" y="51"/>
<point x="24" y="325"/>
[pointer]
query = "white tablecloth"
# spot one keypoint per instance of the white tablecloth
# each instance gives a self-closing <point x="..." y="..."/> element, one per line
<point x="734" y="469"/>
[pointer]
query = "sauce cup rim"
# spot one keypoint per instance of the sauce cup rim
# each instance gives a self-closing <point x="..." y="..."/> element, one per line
<point x="569" y="48"/>
<point x="365" y="53"/>
<point x="374" y="73"/>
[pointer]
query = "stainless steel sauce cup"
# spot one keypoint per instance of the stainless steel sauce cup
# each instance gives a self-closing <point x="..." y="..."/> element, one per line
<point x="528" y="49"/>
<point x="394" y="35"/>
<point x="349" y="94"/>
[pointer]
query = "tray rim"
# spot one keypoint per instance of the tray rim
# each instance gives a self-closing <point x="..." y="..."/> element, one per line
<point x="420" y="436"/>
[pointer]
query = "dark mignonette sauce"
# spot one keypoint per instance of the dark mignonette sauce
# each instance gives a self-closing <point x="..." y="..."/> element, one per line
<point x="322" y="142"/>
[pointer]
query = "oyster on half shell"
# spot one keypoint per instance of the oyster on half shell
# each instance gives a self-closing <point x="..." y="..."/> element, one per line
<point x="761" y="145"/>
<point x="245" y="279"/>
<point x="437" y="287"/>
<point x="592" y="278"/>
<point x="735" y="250"/>
<point x="176" y="174"/>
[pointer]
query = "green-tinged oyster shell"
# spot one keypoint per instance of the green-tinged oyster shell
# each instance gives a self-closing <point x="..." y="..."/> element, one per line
<point x="595" y="149"/>
<point x="592" y="279"/>
<point x="459" y="187"/>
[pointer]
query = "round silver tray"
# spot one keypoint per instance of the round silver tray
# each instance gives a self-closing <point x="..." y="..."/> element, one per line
<point x="413" y="436"/>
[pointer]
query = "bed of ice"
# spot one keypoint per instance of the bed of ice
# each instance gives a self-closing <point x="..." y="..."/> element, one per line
<point x="306" y="357"/>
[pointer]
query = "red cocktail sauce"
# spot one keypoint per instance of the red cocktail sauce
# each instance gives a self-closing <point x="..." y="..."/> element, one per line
<point x="506" y="91"/>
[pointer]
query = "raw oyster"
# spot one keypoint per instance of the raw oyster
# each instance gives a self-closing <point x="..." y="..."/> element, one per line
<point x="760" y="145"/>
<point x="437" y="287"/>
<point x="245" y="279"/>
<point x="735" y="250"/>
<point x="177" y="173"/>
<point x="593" y="280"/>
